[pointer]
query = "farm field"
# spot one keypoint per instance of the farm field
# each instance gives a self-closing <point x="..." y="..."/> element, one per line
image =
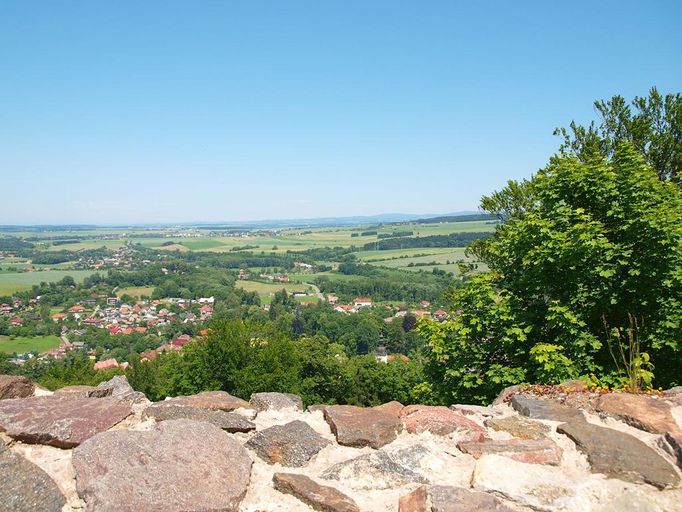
<point x="89" y="244"/>
<point x="21" y="344"/>
<point x="135" y="291"/>
<point x="267" y="290"/>
<point x="16" y="282"/>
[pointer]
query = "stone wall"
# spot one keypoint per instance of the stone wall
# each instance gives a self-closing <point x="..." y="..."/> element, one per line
<point x="110" y="449"/>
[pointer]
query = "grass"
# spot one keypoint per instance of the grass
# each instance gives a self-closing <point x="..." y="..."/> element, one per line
<point x="267" y="290"/>
<point x="135" y="291"/>
<point x="21" y="344"/>
<point x="17" y="282"/>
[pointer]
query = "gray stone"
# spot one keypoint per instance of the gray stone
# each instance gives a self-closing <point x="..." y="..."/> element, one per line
<point x="84" y="391"/>
<point x="179" y="466"/>
<point x="121" y="390"/>
<point x="276" y="401"/>
<point x="519" y="426"/>
<point x="381" y="469"/>
<point x="620" y="455"/>
<point x="59" y="421"/>
<point x="25" y="487"/>
<point x="319" y="497"/>
<point x="442" y="498"/>
<point x="15" y="386"/>
<point x="292" y="445"/>
<point x="545" y="409"/>
<point x="227" y="421"/>
<point x="358" y="426"/>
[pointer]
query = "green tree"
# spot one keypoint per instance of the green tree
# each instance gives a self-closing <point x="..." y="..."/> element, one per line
<point x="653" y="124"/>
<point x="601" y="240"/>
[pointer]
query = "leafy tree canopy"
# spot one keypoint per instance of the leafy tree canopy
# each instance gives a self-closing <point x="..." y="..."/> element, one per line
<point x="586" y="243"/>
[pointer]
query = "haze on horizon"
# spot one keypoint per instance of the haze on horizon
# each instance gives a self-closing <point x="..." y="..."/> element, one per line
<point x="163" y="112"/>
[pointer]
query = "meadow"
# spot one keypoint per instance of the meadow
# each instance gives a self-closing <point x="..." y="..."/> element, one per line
<point x="135" y="291"/>
<point x="266" y="291"/>
<point x="22" y="345"/>
<point x="11" y="282"/>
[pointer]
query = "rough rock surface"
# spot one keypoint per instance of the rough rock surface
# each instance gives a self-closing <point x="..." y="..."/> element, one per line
<point x="440" y="421"/>
<point x="15" y="386"/>
<point x="357" y="426"/>
<point x="220" y="400"/>
<point x="84" y="391"/>
<point x="151" y="461"/>
<point x="443" y="498"/>
<point x="122" y="390"/>
<point x="672" y="444"/>
<point x="531" y="451"/>
<point x="59" y="421"/>
<point x="393" y="407"/>
<point x="382" y="469"/>
<point x="519" y="426"/>
<point x="643" y="412"/>
<point x="319" y="497"/>
<point x="24" y="487"/>
<point x="292" y="445"/>
<point x="181" y="465"/>
<point x="470" y="410"/>
<point x="545" y="409"/>
<point x="620" y="455"/>
<point x="506" y="394"/>
<point x="227" y="421"/>
<point x="276" y="401"/>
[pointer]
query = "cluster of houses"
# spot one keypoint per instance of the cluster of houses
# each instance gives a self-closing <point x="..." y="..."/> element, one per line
<point x="364" y="302"/>
<point x="127" y="319"/>
<point x="122" y="257"/>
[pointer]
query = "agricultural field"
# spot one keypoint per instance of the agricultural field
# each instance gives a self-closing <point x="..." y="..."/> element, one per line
<point x="266" y="291"/>
<point x="21" y="345"/>
<point x="11" y="282"/>
<point x="135" y="291"/>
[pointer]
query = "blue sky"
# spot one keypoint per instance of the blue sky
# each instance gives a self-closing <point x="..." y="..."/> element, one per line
<point x="168" y="111"/>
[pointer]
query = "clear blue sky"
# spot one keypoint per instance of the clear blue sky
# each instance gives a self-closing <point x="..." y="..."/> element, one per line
<point x="168" y="111"/>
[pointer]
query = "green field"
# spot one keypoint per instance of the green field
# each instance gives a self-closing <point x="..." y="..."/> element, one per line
<point x="267" y="290"/>
<point x="21" y="345"/>
<point x="135" y="291"/>
<point x="17" y="282"/>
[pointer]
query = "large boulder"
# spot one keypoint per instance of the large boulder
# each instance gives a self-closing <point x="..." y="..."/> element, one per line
<point x="15" y="386"/>
<point x="319" y="497"/>
<point x="440" y="421"/>
<point x="25" y="487"/>
<point x="531" y="451"/>
<point x="518" y="426"/>
<point x="179" y="466"/>
<point x="541" y="409"/>
<point x="643" y="412"/>
<point x="84" y="391"/>
<point x="442" y="498"/>
<point x="471" y="410"/>
<point x="228" y="421"/>
<point x="276" y="401"/>
<point x="59" y="421"/>
<point x="394" y="407"/>
<point x="119" y="388"/>
<point x="358" y="426"/>
<point x="220" y="400"/>
<point x="620" y="455"/>
<point x="293" y="444"/>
